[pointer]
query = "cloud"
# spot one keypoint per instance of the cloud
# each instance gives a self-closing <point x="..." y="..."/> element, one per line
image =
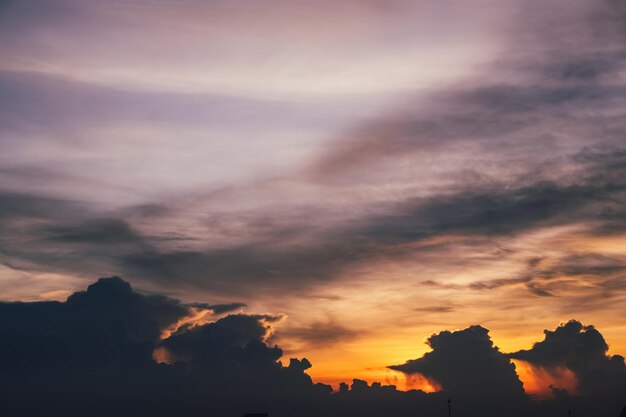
<point x="69" y="236"/>
<point x="232" y="347"/>
<point x="99" y="345"/>
<point x="532" y="144"/>
<point x="20" y="205"/>
<point x="467" y="364"/>
<point x="107" y="326"/>
<point x="220" y="308"/>
<point x="583" y="351"/>
<point x="595" y="196"/>
<point x="554" y="90"/>
<point x="436" y="309"/>
<point x="94" y="231"/>
<point x="322" y="334"/>
<point x="97" y="348"/>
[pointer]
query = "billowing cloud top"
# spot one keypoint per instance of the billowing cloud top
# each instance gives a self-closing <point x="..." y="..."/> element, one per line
<point x="466" y="363"/>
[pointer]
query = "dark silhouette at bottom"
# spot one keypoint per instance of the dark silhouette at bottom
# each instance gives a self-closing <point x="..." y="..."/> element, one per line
<point x="256" y="415"/>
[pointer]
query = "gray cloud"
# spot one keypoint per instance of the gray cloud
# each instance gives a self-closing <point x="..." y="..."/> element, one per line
<point x="595" y="198"/>
<point x="556" y="115"/>
<point x="558" y="87"/>
<point x="94" y="231"/>
<point x="323" y="333"/>
<point x="220" y="308"/>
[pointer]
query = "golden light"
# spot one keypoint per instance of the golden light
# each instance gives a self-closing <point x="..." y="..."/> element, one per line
<point x="538" y="382"/>
<point x="422" y="383"/>
<point x="197" y="317"/>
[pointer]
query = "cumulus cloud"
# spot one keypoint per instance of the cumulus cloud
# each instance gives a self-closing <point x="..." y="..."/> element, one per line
<point x="94" y="353"/>
<point x="474" y="371"/>
<point x="582" y="350"/>
<point x="99" y="345"/>
<point x="467" y="364"/>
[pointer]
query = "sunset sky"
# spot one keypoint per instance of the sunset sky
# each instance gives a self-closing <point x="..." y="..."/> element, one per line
<point x="367" y="173"/>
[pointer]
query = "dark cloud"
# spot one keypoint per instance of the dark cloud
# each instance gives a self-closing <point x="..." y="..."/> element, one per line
<point x="583" y="350"/>
<point x="107" y="326"/>
<point x="94" y="231"/>
<point x="97" y="348"/>
<point x="584" y="264"/>
<point x="232" y="347"/>
<point x="467" y="364"/>
<point x="435" y="309"/>
<point x="595" y="197"/>
<point x="66" y="236"/>
<point x="538" y="291"/>
<point x="94" y="354"/>
<point x="219" y="308"/>
<point x="551" y="106"/>
<point x="322" y="333"/>
<point x="20" y="206"/>
<point x="473" y="371"/>
<point x="497" y="283"/>
<point x="252" y="268"/>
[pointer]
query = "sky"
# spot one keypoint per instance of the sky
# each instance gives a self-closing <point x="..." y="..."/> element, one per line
<point x="358" y="178"/>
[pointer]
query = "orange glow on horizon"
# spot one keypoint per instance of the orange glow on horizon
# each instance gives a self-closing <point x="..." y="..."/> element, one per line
<point x="537" y="381"/>
<point x="422" y="383"/>
<point x="401" y="381"/>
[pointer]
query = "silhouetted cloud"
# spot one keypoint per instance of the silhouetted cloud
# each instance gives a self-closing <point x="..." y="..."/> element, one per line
<point x="106" y="327"/>
<point x="467" y="364"/>
<point x="99" y="344"/>
<point x="582" y="350"/>
<point x="97" y="348"/>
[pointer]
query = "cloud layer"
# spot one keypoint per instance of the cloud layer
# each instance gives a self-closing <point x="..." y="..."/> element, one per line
<point x="95" y="353"/>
